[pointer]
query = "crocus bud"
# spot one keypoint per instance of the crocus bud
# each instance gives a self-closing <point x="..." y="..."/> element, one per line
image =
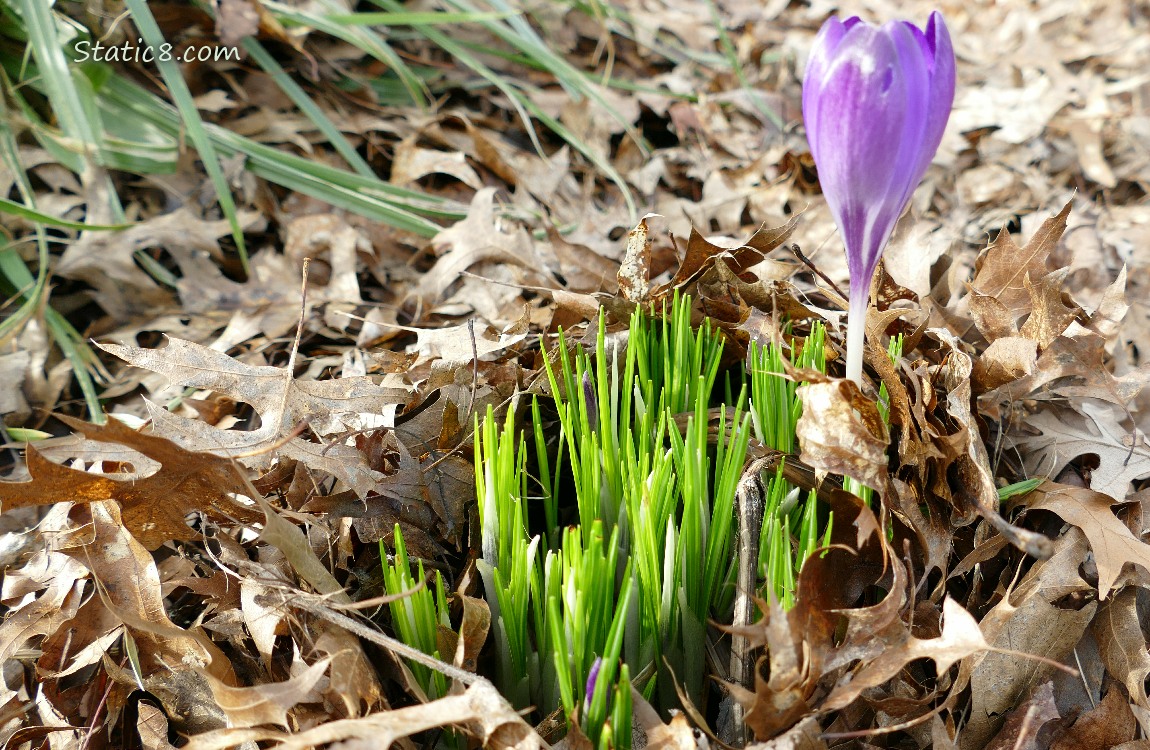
<point x="593" y="678"/>
<point x="875" y="102"/>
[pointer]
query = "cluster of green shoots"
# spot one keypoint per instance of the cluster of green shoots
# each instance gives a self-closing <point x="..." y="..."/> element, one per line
<point x="605" y="553"/>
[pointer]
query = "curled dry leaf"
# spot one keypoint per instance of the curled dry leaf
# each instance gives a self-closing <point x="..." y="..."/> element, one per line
<point x="268" y="703"/>
<point x="480" y="710"/>
<point x="960" y="638"/>
<point x="634" y="274"/>
<point x="841" y="432"/>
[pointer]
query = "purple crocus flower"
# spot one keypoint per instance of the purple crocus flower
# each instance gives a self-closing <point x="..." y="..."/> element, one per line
<point x="592" y="678"/>
<point x="875" y="102"/>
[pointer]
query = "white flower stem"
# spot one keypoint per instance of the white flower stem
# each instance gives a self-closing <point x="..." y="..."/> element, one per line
<point x="856" y="329"/>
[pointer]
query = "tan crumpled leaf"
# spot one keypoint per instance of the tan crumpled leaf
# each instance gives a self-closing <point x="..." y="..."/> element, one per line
<point x="1002" y="269"/>
<point x="152" y="726"/>
<point x="352" y="677"/>
<point x="412" y="162"/>
<point x="481" y="710"/>
<point x="62" y="585"/>
<point x="1045" y="615"/>
<point x="1006" y="360"/>
<point x="1122" y="644"/>
<point x="480" y="237"/>
<point x="154" y="506"/>
<point x="267" y="703"/>
<point x="1049" y="313"/>
<point x="841" y="432"/>
<point x="1111" y="542"/>
<point x="677" y="735"/>
<point x="281" y="401"/>
<point x="130" y="588"/>
<point x="960" y="638"/>
<point x="1064" y="435"/>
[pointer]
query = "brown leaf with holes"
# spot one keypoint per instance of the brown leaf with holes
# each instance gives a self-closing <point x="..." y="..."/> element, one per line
<point x="328" y="407"/>
<point x="1111" y="542"/>
<point x="1055" y="437"/>
<point x="153" y="507"/>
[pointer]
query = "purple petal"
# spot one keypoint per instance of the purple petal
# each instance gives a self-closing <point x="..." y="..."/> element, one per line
<point x="858" y="119"/>
<point x="875" y="102"/>
<point x="592" y="678"/>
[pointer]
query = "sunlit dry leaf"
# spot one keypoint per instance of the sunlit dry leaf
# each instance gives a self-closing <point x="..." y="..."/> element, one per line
<point x="806" y="735"/>
<point x="480" y="709"/>
<point x="840" y="432"/>
<point x="62" y="588"/>
<point x="281" y="401"/>
<point x="1064" y="435"/>
<point x="634" y="274"/>
<point x="993" y="319"/>
<point x="352" y="677"/>
<point x="1111" y="542"/>
<point x="328" y="238"/>
<point x="702" y="254"/>
<point x="153" y="507"/>
<point x="130" y="587"/>
<point x="412" y="162"/>
<point x="473" y="631"/>
<point x="1049" y="314"/>
<point x="1006" y="359"/>
<point x="267" y="703"/>
<point x="1003" y="267"/>
<point x="480" y="237"/>
<point x="152" y="726"/>
<point x="782" y="699"/>
<point x="960" y="638"/>
<point x="677" y="735"/>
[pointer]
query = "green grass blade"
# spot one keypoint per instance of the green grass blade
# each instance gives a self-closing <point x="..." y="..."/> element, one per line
<point x="182" y="97"/>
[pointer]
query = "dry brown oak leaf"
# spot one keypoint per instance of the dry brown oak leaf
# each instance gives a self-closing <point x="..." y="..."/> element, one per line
<point x="153" y="508"/>
<point x="329" y="407"/>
